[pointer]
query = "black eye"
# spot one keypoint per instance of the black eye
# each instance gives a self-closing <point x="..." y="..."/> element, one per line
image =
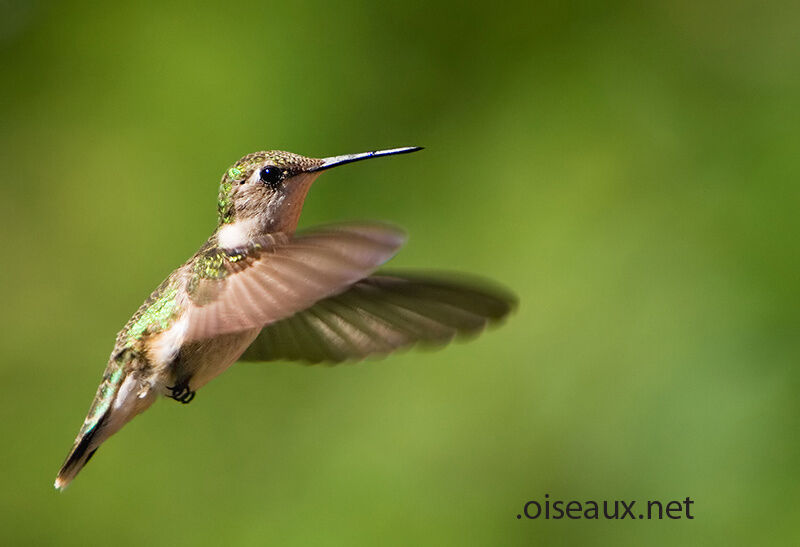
<point x="272" y="176"/>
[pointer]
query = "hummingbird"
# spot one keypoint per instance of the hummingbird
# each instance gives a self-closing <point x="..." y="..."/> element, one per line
<point x="259" y="291"/>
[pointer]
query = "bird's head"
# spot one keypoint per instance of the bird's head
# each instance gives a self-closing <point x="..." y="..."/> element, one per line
<point x="266" y="190"/>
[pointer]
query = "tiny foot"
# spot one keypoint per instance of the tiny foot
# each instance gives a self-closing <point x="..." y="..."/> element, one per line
<point x="181" y="392"/>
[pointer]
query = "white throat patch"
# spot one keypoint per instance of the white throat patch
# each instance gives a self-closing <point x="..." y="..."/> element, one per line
<point x="235" y="235"/>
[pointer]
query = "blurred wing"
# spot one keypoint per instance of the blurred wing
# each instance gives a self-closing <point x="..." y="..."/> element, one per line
<point x="380" y="314"/>
<point x="279" y="275"/>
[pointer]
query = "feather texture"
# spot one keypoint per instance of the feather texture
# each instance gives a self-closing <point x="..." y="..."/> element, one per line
<point x="279" y="275"/>
<point x="380" y="314"/>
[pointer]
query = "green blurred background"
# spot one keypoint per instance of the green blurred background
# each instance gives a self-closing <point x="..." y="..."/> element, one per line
<point x="630" y="170"/>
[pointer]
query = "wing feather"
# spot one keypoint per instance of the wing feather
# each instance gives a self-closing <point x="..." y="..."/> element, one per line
<point x="380" y="314"/>
<point x="278" y="275"/>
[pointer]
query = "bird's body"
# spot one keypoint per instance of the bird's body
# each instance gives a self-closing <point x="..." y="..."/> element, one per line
<point x="257" y="288"/>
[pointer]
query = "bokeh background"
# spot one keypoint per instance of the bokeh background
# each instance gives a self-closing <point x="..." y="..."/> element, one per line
<point x="629" y="169"/>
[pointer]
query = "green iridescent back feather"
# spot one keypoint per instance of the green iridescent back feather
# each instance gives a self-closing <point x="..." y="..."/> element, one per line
<point x="162" y="307"/>
<point x="154" y="316"/>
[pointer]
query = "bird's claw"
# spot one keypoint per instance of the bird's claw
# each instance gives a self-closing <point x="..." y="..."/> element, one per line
<point x="181" y="393"/>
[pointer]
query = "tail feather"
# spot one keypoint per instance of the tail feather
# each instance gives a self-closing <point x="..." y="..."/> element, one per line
<point x="78" y="457"/>
<point x="119" y="398"/>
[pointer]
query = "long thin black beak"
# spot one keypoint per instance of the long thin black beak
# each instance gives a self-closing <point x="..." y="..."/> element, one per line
<point x="333" y="161"/>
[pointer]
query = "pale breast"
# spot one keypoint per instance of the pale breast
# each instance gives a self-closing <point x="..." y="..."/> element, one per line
<point x="202" y="361"/>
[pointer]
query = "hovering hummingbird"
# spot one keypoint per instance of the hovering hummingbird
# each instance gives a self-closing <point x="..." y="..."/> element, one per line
<point x="258" y="291"/>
